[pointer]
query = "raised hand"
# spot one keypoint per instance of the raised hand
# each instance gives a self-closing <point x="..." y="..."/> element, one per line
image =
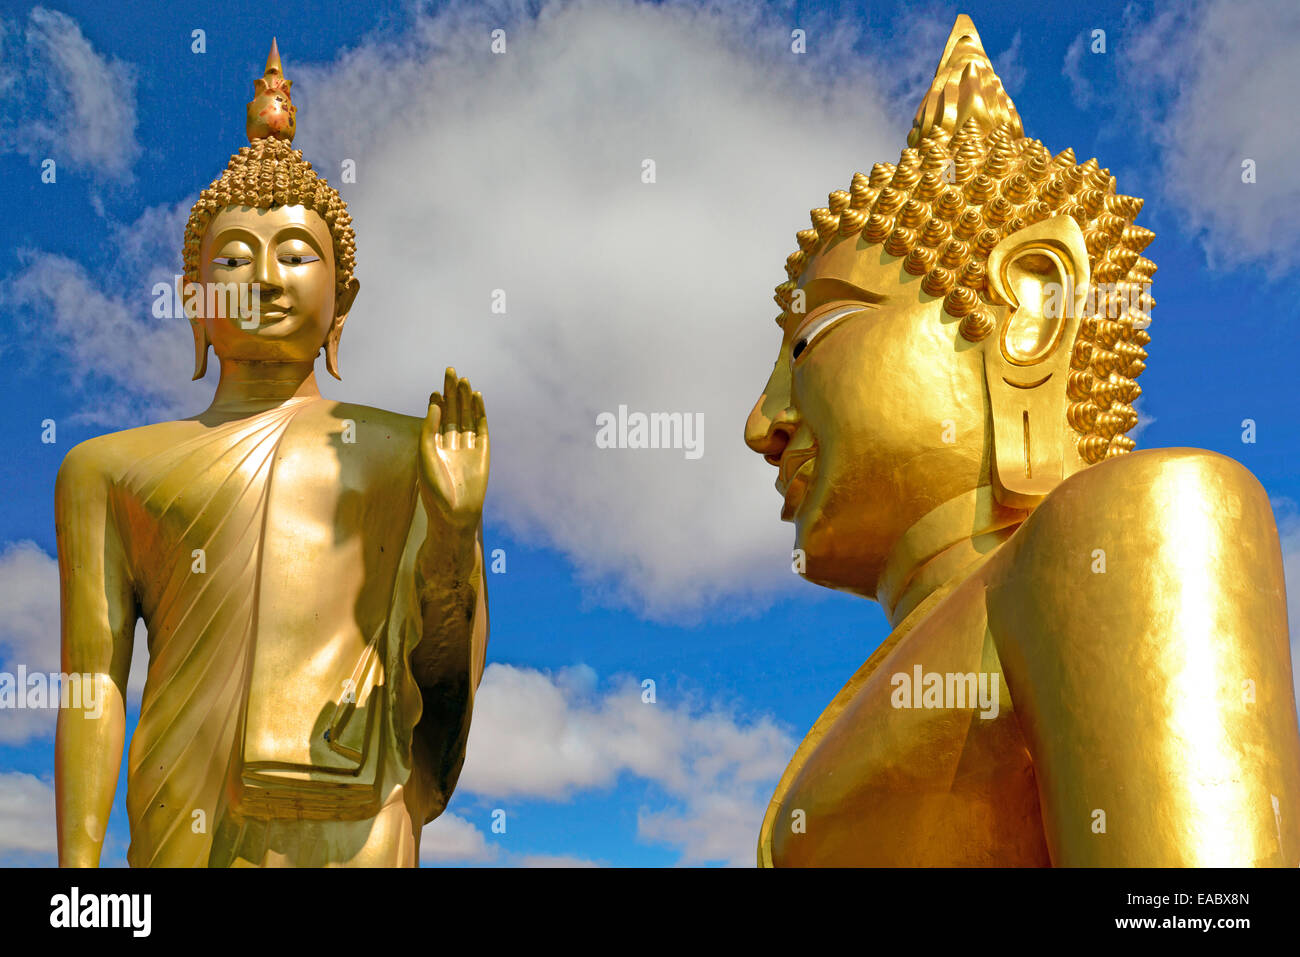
<point x="454" y="454"/>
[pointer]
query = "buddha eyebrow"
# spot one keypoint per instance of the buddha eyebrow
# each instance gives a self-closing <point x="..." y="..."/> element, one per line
<point x="299" y="232"/>
<point x="821" y="291"/>
<point x="245" y="235"/>
<point x="233" y="232"/>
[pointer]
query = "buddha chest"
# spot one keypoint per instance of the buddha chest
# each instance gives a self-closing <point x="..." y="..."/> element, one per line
<point x="919" y="761"/>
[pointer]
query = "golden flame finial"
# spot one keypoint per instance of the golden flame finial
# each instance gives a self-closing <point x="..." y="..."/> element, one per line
<point x="271" y="112"/>
<point x="965" y="87"/>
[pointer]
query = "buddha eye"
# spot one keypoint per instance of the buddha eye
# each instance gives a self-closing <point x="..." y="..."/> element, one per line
<point x="298" y="259"/>
<point x="820" y="321"/>
<point x="230" y="262"/>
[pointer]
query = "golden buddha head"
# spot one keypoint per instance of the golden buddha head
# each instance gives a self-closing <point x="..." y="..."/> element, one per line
<point x="270" y="220"/>
<point x="971" y="316"/>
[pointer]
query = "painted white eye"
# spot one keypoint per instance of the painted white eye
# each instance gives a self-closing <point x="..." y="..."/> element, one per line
<point x="230" y="262"/>
<point x="298" y="259"/>
<point x="819" y="322"/>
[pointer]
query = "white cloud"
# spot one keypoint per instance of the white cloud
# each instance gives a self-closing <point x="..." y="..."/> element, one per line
<point x="1009" y="66"/>
<point x="29" y="635"/>
<point x="1072" y="68"/>
<point x="719" y="827"/>
<point x="555" y="860"/>
<point x="29" y="630"/>
<point x="29" y="604"/>
<point x="126" y="365"/>
<point x="522" y="172"/>
<point x="538" y="735"/>
<point x="26" y="815"/>
<point x="64" y="100"/>
<point x="451" y="838"/>
<point x="1216" y="80"/>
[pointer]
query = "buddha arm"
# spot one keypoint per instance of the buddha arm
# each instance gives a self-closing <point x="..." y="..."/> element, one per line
<point x="98" y="623"/>
<point x="1156" y="699"/>
<point x="447" y="663"/>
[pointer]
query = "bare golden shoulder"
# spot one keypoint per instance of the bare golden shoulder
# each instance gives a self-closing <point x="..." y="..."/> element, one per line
<point x="398" y="423"/>
<point x="1160" y="484"/>
<point x="94" y="458"/>
<point x="1146" y="518"/>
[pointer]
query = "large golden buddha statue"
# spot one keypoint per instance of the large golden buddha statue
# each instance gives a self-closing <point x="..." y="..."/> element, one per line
<point x="1089" y="661"/>
<point x="310" y="571"/>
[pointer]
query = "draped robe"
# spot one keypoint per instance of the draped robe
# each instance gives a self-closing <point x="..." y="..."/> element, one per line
<point x="242" y="755"/>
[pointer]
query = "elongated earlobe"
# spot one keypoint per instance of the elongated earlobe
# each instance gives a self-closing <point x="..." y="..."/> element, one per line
<point x="342" y="306"/>
<point x="1037" y="275"/>
<point x="197" y="327"/>
<point x="200" y="349"/>
<point x="332" y="348"/>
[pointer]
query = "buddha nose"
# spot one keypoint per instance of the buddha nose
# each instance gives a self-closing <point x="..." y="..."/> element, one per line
<point x="267" y="274"/>
<point x="772" y="421"/>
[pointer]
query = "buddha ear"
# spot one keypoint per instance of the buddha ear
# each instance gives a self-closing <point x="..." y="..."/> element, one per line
<point x="1039" y="275"/>
<point x="342" y="306"/>
<point x="197" y="327"/>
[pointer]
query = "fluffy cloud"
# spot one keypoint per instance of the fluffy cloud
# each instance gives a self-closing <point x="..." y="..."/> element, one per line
<point x="452" y="838"/>
<point x="1072" y="68"/>
<point x="129" y="364"/>
<point x="555" y="860"/>
<point x="29" y="634"/>
<point x="544" y="736"/>
<point x="26" y="817"/>
<point x="1214" y="81"/>
<point x="62" y="99"/>
<point x="29" y="630"/>
<point x="522" y="172"/>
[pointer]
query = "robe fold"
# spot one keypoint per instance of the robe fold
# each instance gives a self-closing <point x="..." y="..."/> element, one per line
<point x="202" y="788"/>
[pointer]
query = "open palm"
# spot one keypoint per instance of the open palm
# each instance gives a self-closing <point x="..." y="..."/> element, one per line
<point x="454" y="453"/>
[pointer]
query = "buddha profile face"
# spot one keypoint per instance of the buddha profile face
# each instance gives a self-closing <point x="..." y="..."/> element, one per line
<point x="871" y="379"/>
<point x="972" y="316"/>
<point x="288" y="252"/>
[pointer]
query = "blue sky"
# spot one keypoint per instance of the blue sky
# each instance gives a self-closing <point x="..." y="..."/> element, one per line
<point x="520" y="172"/>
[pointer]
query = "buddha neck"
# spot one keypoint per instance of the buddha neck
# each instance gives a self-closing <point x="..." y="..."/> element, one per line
<point x="250" y="386"/>
<point x="946" y="542"/>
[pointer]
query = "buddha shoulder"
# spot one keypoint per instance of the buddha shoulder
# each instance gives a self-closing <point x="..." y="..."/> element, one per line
<point x="396" y="422"/>
<point x="106" y="457"/>
<point x="1124" y="537"/>
<point x="371" y="427"/>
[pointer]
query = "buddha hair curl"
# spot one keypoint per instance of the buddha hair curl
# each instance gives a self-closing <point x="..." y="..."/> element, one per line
<point x="266" y="174"/>
<point x="945" y="205"/>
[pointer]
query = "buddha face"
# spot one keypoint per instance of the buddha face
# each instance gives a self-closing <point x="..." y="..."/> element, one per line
<point x="874" y="414"/>
<point x="289" y="253"/>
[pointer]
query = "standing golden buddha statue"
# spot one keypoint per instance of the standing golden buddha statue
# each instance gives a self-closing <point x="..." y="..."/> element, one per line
<point x="310" y="571"/>
<point x="1089" y="662"/>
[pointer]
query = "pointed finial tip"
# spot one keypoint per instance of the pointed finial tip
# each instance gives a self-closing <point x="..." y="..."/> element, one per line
<point x="963" y="41"/>
<point x="954" y="97"/>
<point x="271" y="112"/>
